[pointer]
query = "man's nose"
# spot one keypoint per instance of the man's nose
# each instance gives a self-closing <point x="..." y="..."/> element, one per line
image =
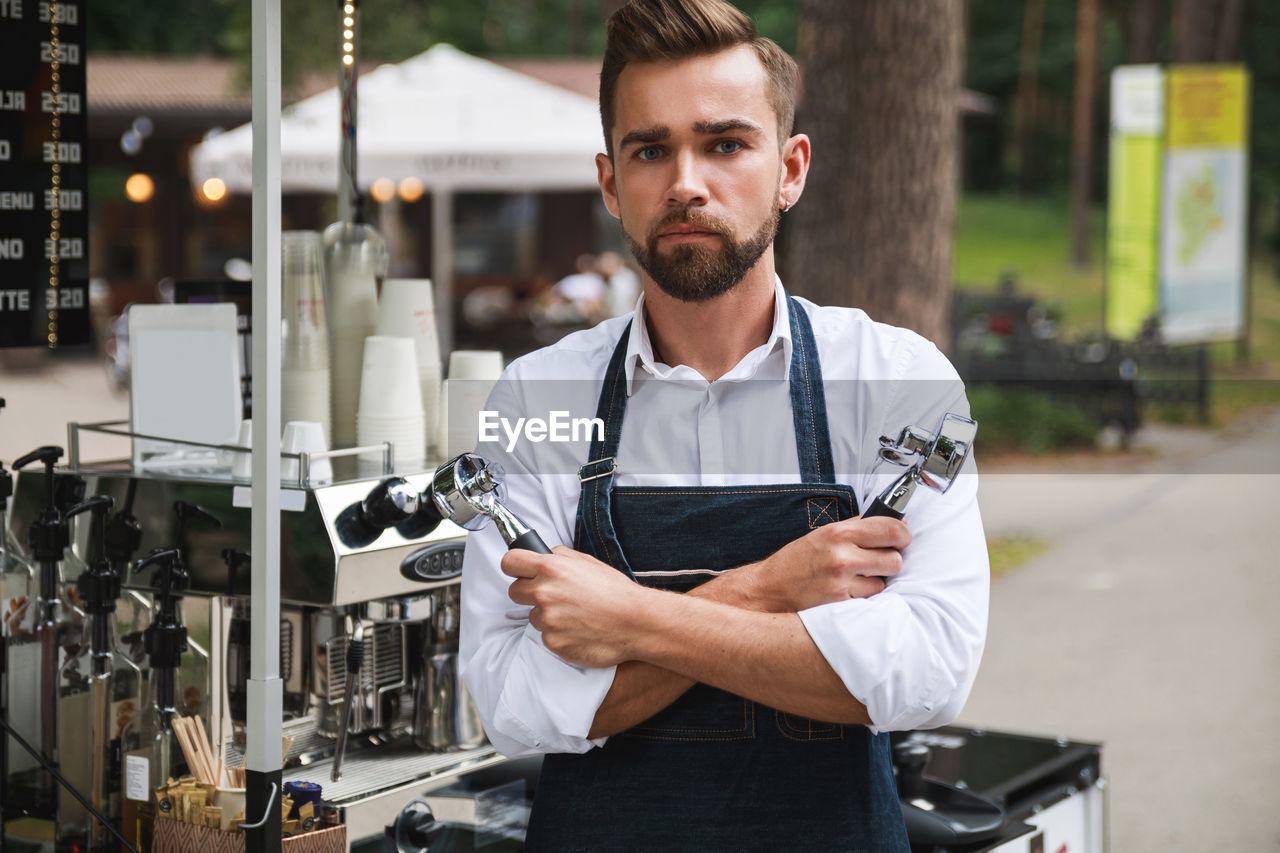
<point x="688" y="185"/>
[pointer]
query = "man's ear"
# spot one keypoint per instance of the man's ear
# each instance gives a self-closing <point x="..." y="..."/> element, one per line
<point x="795" y="167"/>
<point x="608" y="184"/>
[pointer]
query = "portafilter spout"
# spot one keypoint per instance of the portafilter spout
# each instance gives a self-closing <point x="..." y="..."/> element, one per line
<point x="465" y="490"/>
<point x="933" y="458"/>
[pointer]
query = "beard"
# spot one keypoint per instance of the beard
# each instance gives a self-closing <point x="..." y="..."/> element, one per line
<point x="695" y="273"/>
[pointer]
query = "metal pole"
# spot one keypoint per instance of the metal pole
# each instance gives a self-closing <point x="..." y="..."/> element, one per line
<point x="442" y="266"/>
<point x="265" y="695"/>
<point x="347" y="74"/>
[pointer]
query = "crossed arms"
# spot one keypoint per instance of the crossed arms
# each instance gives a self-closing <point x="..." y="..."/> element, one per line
<point x="740" y="632"/>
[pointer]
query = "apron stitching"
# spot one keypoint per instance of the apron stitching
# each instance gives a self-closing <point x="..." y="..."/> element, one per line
<point x="595" y="500"/>
<point x="785" y="728"/>
<point x="748" y="724"/>
<point x="824" y="511"/>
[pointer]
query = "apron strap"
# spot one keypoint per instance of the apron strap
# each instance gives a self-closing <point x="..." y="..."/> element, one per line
<point x="808" y="401"/>
<point x="595" y="502"/>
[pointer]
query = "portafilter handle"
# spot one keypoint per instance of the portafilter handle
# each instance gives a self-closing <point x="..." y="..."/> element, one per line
<point x="465" y="490"/>
<point x="932" y="458"/>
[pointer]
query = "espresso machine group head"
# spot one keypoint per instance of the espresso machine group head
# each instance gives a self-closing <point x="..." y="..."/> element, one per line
<point x="932" y="458"/>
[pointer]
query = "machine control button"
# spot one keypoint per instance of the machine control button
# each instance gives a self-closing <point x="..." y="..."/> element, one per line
<point x="438" y="561"/>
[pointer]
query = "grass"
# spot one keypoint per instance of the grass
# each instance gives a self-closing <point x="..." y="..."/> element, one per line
<point x="1031" y="239"/>
<point x="1010" y="553"/>
<point x="1003" y="234"/>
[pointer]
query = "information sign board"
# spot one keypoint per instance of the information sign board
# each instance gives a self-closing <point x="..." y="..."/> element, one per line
<point x="44" y="219"/>
<point x="1203" y="219"/>
<point x="1133" y="201"/>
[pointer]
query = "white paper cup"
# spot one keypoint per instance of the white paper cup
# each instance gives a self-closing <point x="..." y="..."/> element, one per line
<point x="391" y="405"/>
<point x="406" y="309"/>
<point x="305" y="437"/>
<point x="389" y="380"/>
<point x="475" y="364"/>
<point x="231" y="801"/>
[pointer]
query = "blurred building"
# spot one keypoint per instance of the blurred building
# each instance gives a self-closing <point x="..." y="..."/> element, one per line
<point x="145" y="114"/>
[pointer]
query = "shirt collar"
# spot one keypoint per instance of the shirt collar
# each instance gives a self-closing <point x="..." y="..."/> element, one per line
<point x="640" y="348"/>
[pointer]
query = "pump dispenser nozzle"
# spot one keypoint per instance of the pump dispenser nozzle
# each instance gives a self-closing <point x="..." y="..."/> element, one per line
<point x="122" y="534"/>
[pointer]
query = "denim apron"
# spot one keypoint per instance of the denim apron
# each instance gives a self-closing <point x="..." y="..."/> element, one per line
<point x="714" y="771"/>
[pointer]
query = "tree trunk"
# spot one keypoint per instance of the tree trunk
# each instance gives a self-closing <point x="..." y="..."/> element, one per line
<point x="874" y="227"/>
<point x="1227" y="46"/>
<point x="1082" y="128"/>
<point x="1025" y="118"/>
<point x="1143" y="36"/>
<point x="1195" y="29"/>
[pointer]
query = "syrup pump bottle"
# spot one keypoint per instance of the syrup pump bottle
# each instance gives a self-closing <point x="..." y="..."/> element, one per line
<point x="48" y="537"/>
<point x="158" y="756"/>
<point x="100" y="691"/>
<point x="123" y="537"/>
<point x="17" y="624"/>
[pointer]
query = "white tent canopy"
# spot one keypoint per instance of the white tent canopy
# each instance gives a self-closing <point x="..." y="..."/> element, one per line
<point x="452" y="120"/>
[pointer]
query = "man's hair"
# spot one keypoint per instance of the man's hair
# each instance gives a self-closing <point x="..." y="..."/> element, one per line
<point x="655" y="30"/>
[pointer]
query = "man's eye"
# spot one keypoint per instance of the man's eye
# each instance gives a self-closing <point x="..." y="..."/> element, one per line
<point x="652" y="152"/>
<point x="728" y="146"/>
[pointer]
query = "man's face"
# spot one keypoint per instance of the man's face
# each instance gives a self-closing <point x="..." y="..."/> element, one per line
<point x="696" y="170"/>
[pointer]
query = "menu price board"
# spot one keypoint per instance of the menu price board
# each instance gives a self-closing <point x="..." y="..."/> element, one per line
<point x="44" y="214"/>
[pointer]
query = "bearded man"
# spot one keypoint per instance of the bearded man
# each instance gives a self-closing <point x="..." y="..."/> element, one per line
<point x="713" y="654"/>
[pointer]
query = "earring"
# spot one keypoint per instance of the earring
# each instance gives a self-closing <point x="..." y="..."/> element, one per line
<point x="786" y="205"/>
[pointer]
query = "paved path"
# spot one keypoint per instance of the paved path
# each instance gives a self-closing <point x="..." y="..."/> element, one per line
<point x="43" y="395"/>
<point x="1152" y="625"/>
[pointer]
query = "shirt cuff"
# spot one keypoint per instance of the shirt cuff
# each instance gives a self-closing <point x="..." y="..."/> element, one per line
<point x="548" y="704"/>
<point x="875" y="646"/>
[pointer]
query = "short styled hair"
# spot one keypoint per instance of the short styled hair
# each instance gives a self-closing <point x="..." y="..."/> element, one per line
<point x="656" y="30"/>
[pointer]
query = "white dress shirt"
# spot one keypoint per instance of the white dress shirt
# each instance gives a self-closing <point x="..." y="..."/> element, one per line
<point x="910" y="653"/>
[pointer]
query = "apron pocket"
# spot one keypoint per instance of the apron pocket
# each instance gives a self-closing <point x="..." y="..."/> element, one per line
<point x="702" y="714"/>
<point x="793" y="727"/>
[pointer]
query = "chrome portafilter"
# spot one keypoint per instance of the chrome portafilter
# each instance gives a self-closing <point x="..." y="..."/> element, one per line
<point x="932" y="458"/>
<point x="467" y="489"/>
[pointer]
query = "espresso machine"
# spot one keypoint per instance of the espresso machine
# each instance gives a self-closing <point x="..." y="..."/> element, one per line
<point x="369" y="585"/>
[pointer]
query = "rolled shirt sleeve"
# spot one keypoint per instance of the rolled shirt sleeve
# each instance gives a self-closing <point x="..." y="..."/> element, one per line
<point x="911" y="653"/>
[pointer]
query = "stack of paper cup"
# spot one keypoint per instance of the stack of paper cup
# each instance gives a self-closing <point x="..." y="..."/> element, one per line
<point x="355" y="257"/>
<point x="391" y="405"/>
<point x="406" y="310"/>
<point x="472" y="375"/>
<point x="304" y="371"/>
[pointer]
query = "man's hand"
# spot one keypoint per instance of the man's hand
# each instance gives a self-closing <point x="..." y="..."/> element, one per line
<point x="847" y="559"/>
<point x="579" y="603"/>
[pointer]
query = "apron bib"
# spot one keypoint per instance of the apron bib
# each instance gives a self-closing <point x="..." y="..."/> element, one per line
<point x="714" y="771"/>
